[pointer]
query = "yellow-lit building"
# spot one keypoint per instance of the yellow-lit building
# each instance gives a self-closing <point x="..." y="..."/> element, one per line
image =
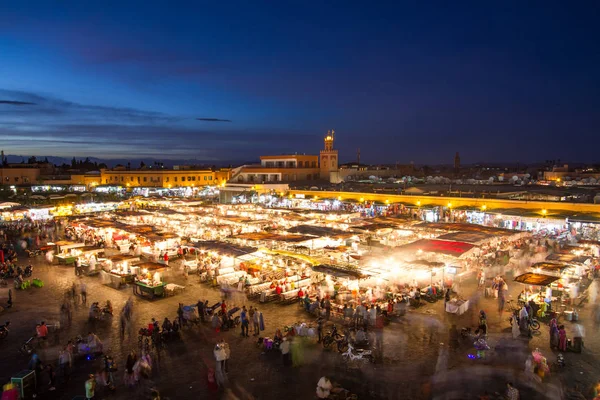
<point x="290" y="167"/>
<point x="89" y="180"/>
<point x="164" y="177"/>
<point x="19" y="175"/>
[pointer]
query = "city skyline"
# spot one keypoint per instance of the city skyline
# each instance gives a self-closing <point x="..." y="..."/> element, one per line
<point x="402" y="83"/>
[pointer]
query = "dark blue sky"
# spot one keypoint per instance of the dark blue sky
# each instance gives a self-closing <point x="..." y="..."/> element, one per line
<point x="404" y="81"/>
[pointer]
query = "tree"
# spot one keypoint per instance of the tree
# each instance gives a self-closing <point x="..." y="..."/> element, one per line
<point x="31" y="160"/>
<point x="142" y="164"/>
<point x="73" y="163"/>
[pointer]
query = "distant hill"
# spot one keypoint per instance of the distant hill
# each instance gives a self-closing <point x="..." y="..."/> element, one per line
<point x="135" y="162"/>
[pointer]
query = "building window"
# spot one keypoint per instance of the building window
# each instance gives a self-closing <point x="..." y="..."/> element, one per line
<point x="210" y="178"/>
<point x="138" y="179"/>
<point x="175" y="179"/>
<point x="332" y="163"/>
<point x="183" y="179"/>
<point x="194" y="178"/>
<point x="16" y="179"/>
<point x="121" y="179"/>
<point x="167" y="179"/>
<point x="313" y="164"/>
<point x="144" y="179"/>
<point x="299" y="164"/>
<point x="131" y="179"/>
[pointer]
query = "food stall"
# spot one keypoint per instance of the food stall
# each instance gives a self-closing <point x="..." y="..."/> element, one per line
<point x="457" y="306"/>
<point x="115" y="261"/>
<point x="121" y="273"/>
<point x="545" y="287"/>
<point x="149" y="282"/>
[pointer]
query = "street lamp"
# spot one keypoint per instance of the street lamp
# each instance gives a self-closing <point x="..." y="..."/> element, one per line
<point x="544" y="212"/>
<point x="449" y="205"/>
<point x="483" y="207"/>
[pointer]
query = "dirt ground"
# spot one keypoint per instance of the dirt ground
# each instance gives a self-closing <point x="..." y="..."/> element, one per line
<point x="418" y="361"/>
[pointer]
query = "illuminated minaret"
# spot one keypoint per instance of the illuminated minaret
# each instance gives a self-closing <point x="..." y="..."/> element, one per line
<point x="329" y="157"/>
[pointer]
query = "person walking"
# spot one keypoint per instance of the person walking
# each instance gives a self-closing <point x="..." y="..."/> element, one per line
<point x="201" y="309"/>
<point x="320" y="329"/>
<point x="245" y="322"/>
<point x="9" y="303"/>
<point x="285" y="351"/>
<point x="253" y="317"/>
<point x="90" y="387"/>
<point x="64" y="361"/>
<point x="83" y="290"/>
<point x="327" y="308"/>
<point x="185" y="271"/>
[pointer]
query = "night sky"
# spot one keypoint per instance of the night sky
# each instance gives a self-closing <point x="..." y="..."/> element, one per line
<point x="404" y="81"/>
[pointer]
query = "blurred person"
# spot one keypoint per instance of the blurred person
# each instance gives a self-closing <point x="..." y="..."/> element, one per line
<point x="511" y="392"/>
<point x="285" y="351"/>
<point x="562" y="338"/>
<point x="90" y="387"/>
<point x="324" y="387"/>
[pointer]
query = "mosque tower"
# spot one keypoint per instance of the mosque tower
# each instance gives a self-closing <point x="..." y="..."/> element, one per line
<point x="328" y="160"/>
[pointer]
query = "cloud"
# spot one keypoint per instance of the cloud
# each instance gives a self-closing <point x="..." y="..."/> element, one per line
<point x="63" y="128"/>
<point x="17" y="103"/>
<point x="213" y="120"/>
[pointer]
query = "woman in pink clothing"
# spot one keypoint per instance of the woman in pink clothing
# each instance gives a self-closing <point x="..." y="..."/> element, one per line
<point x="562" y="338"/>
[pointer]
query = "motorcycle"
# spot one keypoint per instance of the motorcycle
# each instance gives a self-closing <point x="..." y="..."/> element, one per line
<point x="4" y="330"/>
<point x="97" y="312"/>
<point x="33" y="253"/>
<point x="28" y="271"/>
<point x="353" y="354"/>
<point x="27" y="347"/>
<point x="532" y="322"/>
<point x="334" y="337"/>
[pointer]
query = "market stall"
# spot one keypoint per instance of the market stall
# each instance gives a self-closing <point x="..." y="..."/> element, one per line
<point x="149" y="283"/>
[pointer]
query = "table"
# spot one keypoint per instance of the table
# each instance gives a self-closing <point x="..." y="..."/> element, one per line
<point x="171" y="288"/>
<point x="119" y="279"/>
<point x="66" y="259"/>
<point x="142" y="289"/>
<point x="457" y="307"/>
<point x="25" y="381"/>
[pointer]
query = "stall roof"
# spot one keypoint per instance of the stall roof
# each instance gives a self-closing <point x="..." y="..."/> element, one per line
<point x="455" y="249"/>
<point x="549" y="266"/>
<point x="531" y="278"/>
<point x="586" y="241"/>
<point x="375" y="227"/>
<point x="319" y="231"/>
<point x="224" y="248"/>
<point x="432" y="264"/>
<point x="568" y="258"/>
<point x="338" y="271"/>
<point x="467" y="237"/>
<point x="258" y="236"/>
<point x="463" y="227"/>
<point x="150" y="266"/>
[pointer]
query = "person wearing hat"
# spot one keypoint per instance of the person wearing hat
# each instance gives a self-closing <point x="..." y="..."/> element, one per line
<point x="90" y="386"/>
